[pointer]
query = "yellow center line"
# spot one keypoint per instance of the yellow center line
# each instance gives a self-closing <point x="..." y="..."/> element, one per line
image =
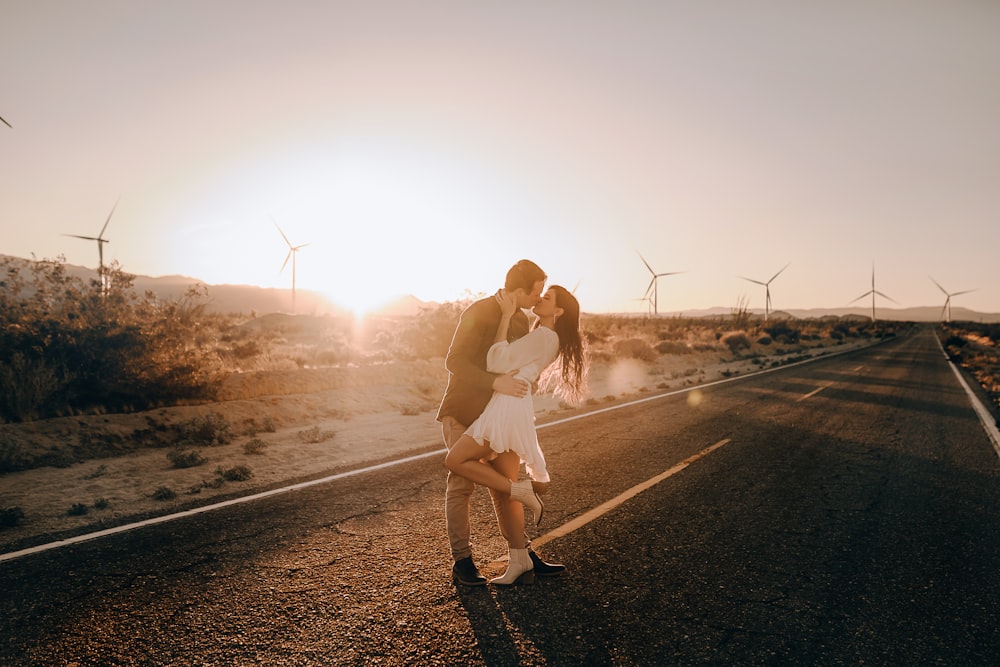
<point x="810" y="394"/>
<point x="604" y="508"/>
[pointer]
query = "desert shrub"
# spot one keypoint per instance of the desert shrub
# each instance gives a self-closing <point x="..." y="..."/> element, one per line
<point x="764" y="340"/>
<point x="955" y="341"/>
<point x="740" y="314"/>
<point x="255" y="446"/>
<point x="101" y="504"/>
<point x="672" y="347"/>
<point x="164" y="493"/>
<point x="78" y="509"/>
<point x="783" y="332"/>
<point x="736" y="341"/>
<point x="426" y="336"/>
<point x="266" y="425"/>
<point x="11" y="516"/>
<point x="185" y="458"/>
<point x="12" y="453"/>
<point x="234" y="474"/>
<point x="26" y="384"/>
<point x="635" y="348"/>
<point x="68" y="346"/>
<point x="209" y="430"/>
<point x="314" y="435"/>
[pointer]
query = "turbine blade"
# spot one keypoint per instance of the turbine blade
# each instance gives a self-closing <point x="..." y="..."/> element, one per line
<point x="943" y="290"/>
<point x="886" y="296"/>
<point x="671" y="273"/>
<point x="287" y="257"/>
<point x="645" y="262"/>
<point x="861" y="297"/>
<point x="649" y="288"/>
<point x="86" y="238"/>
<point x="966" y="291"/>
<point x="281" y="232"/>
<point x="754" y="281"/>
<point x="101" y="235"/>
<point x="7" y="124"/>
<point x="301" y="245"/>
<point x="778" y="273"/>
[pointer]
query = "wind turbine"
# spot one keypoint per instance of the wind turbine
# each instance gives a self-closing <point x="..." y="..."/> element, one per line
<point x="767" y="290"/>
<point x="293" y="250"/>
<point x="948" y="295"/>
<point x="649" y="303"/>
<point x="653" y="283"/>
<point x="100" y="242"/>
<point x="873" y="292"/>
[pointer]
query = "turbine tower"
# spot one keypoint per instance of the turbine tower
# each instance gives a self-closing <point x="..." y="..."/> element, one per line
<point x="767" y="290"/>
<point x="293" y="250"/>
<point x="948" y="295"/>
<point x="873" y="292"/>
<point x="653" y="283"/>
<point x="100" y="243"/>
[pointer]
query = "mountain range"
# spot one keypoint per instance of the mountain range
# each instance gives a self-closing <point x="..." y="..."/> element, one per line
<point x="260" y="300"/>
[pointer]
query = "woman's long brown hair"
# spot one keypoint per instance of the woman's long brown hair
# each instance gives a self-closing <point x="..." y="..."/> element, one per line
<point x="568" y="377"/>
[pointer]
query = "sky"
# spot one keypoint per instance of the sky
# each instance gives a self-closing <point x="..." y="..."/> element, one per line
<point x="424" y="147"/>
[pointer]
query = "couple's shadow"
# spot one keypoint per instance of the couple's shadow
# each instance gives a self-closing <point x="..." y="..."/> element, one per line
<point x="497" y="614"/>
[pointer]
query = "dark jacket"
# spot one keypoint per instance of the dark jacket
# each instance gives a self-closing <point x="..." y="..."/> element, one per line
<point x="470" y="385"/>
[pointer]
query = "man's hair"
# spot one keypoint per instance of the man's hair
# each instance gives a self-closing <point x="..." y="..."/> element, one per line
<point x="524" y="275"/>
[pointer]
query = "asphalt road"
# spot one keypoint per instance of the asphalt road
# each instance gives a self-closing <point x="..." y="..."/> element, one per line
<point x="851" y="517"/>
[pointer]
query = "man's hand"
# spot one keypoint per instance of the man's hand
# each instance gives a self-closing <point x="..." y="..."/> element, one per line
<point x="510" y="385"/>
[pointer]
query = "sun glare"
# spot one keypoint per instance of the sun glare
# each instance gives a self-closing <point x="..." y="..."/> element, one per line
<point x="377" y="218"/>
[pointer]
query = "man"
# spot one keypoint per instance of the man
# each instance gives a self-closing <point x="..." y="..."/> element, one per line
<point x="470" y="387"/>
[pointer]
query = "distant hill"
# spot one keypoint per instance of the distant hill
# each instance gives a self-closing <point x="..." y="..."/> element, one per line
<point x="916" y="314"/>
<point x="249" y="298"/>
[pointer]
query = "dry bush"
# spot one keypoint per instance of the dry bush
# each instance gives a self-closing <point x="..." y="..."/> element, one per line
<point x="209" y="430"/>
<point x="97" y="346"/>
<point x="254" y="446"/>
<point x="635" y="348"/>
<point x="315" y="435"/>
<point x="185" y="458"/>
<point x="673" y="347"/>
<point x="736" y="341"/>
<point x="10" y="516"/>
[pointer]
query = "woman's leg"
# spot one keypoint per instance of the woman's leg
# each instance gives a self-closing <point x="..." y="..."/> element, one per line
<point x="510" y="513"/>
<point x="511" y="516"/>
<point x="465" y="459"/>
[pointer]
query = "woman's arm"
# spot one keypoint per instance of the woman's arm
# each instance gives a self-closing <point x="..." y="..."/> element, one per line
<point x="508" y="306"/>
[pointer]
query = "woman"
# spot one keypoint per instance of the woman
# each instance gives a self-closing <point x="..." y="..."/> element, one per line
<point x="492" y="449"/>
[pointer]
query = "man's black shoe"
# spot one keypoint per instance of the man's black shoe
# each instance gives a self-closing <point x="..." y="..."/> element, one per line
<point x="543" y="569"/>
<point x="465" y="572"/>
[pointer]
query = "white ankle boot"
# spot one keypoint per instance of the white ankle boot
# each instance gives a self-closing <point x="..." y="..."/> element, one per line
<point x="525" y="494"/>
<point x="520" y="570"/>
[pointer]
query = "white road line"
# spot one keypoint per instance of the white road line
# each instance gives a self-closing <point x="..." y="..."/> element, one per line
<point x="606" y="507"/>
<point x="273" y="492"/>
<point x="208" y="508"/>
<point x="985" y="417"/>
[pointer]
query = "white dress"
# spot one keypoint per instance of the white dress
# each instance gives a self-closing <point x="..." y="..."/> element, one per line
<point x="508" y="423"/>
